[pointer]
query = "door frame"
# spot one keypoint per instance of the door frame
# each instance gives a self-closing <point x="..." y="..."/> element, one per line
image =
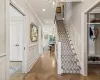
<point x="25" y="69"/>
<point x="84" y="37"/>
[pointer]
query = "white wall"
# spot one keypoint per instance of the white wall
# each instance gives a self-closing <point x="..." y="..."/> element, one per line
<point x="2" y="27"/>
<point x="72" y="30"/>
<point x="2" y="41"/>
<point x="73" y="19"/>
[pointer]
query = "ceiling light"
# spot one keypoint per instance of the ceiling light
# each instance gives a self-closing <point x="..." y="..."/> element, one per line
<point x="53" y="2"/>
<point x="44" y="10"/>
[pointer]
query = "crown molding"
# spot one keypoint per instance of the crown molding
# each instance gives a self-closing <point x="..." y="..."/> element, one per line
<point x="30" y="6"/>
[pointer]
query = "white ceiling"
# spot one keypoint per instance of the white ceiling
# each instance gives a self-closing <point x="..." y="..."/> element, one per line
<point x="47" y="17"/>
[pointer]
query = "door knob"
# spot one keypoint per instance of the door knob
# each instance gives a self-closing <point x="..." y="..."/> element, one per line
<point x="17" y="45"/>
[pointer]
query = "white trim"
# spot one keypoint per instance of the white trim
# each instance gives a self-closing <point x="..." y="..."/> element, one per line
<point x="29" y="5"/>
<point x="3" y="54"/>
<point x="33" y="45"/>
<point x="32" y="62"/>
<point x="84" y="45"/>
<point x="25" y="63"/>
<point x="18" y="7"/>
<point x="59" y="69"/>
<point x="7" y="39"/>
<point x="92" y="55"/>
<point x="94" y="62"/>
<point x="91" y="7"/>
<point x="93" y="23"/>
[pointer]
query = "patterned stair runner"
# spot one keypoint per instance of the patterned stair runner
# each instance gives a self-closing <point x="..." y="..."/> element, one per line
<point x="70" y="64"/>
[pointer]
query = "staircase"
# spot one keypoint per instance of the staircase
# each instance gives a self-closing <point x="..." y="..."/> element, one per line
<point x="69" y="60"/>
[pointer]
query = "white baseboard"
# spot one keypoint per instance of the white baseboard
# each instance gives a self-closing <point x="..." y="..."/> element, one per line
<point x="31" y="64"/>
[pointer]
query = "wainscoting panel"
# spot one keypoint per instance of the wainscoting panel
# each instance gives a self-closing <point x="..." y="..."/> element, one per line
<point x="33" y="55"/>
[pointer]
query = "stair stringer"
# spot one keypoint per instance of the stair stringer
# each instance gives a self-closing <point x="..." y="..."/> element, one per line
<point x="71" y="41"/>
<point x="73" y="47"/>
<point x="74" y="50"/>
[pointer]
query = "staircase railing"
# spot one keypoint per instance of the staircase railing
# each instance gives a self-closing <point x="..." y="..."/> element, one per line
<point x="58" y="56"/>
<point x="58" y="53"/>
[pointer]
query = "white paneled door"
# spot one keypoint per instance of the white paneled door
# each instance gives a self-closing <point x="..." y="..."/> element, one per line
<point x="16" y="34"/>
<point x="16" y="42"/>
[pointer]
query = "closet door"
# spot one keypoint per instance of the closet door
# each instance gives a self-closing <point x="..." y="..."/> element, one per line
<point x="16" y="50"/>
<point x="16" y="34"/>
